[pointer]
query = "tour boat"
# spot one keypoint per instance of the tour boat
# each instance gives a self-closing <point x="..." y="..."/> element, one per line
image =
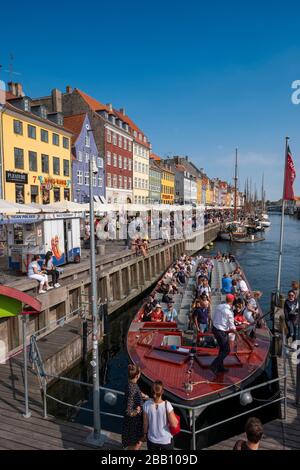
<point x="169" y="352"/>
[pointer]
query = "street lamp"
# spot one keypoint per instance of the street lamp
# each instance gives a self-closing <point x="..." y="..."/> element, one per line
<point x="95" y="438"/>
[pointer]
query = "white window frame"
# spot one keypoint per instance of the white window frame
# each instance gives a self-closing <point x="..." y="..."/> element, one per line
<point x="79" y="177"/>
<point x="108" y="157"/>
<point x="108" y="136"/>
<point x="115" y="160"/>
<point x="86" y="178"/>
<point x="120" y="181"/>
<point x="120" y="141"/>
<point x="80" y="155"/>
<point x="120" y="161"/>
<point x="108" y="180"/>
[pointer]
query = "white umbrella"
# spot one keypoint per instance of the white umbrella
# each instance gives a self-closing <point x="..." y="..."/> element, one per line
<point x="10" y="208"/>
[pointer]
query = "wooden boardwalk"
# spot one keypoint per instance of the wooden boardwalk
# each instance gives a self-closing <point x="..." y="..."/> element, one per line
<point x="19" y="433"/>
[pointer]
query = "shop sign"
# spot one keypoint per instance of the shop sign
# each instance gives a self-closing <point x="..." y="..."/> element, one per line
<point x="15" y="177"/>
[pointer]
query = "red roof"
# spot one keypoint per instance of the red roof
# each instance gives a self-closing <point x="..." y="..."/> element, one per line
<point x="98" y="106"/>
<point x="93" y="104"/>
<point x="10" y="96"/>
<point x="74" y="124"/>
<point x="155" y="157"/>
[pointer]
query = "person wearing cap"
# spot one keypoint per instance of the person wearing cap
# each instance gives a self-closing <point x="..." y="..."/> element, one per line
<point x="148" y="307"/>
<point x="157" y="314"/>
<point x="170" y="313"/>
<point x="223" y="324"/>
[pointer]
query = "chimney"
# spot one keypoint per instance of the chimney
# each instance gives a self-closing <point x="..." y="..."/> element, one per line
<point x="56" y="100"/>
<point x="69" y="89"/>
<point x="122" y="111"/>
<point x="109" y="105"/>
<point x="19" y="90"/>
<point x="12" y="88"/>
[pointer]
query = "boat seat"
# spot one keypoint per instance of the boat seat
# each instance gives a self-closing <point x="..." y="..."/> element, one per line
<point x="171" y="340"/>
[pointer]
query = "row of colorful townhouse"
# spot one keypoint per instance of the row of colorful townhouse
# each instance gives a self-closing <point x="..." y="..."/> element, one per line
<point x="46" y="144"/>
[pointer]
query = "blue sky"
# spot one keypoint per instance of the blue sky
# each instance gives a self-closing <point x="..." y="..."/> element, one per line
<point x="200" y="78"/>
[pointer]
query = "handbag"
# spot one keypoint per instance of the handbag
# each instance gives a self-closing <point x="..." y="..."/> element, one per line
<point x="173" y="429"/>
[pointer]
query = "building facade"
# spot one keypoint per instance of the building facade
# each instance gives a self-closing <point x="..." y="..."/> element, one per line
<point x="36" y="152"/>
<point x="155" y="174"/>
<point x="83" y="148"/>
<point x="141" y="158"/>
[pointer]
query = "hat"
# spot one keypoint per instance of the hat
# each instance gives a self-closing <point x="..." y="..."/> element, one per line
<point x="157" y="305"/>
<point x="230" y="298"/>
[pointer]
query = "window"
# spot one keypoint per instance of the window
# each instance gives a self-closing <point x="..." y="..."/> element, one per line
<point x="94" y="180"/>
<point x="120" y="161"/>
<point x="115" y="181"/>
<point x="44" y="135"/>
<point x="56" y="194"/>
<point x="125" y="163"/>
<point x="87" y="142"/>
<point x="139" y="167"/>
<point x="45" y="196"/>
<point x="18" y="127"/>
<point x="56" y="166"/>
<point x="45" y="163"/>
<point x="135" y="165"/>
<point x="100" y="162"/>
<point x="129" y="145"/>
<point x="34" y="192"/>
<point x="135" y="182"/>
<point x="87" y="158"/>
<point x="114" y="138"/>
<point x="32" y="156"/>
<point x="66" y="194"/>
<point x="120" y="181"/>
<point x="129" y="164"/>
<point x="86" y="178"/>
<point x="79" y="177"/>
<point x="55" y="139"/>
<point x="125" y="144"/>
<point x="125" y="182"/>
<point x="31" y="130"/>
<point x="19" y="158"/>
<point x="109" y="180"/>
<point x="65" y="142"/>
<point x="100" y="181"/>
<point x="129" y="183"/>
<point x="108" y="136"/>
<point x="115" y="159"/>
<point x="20" y="194"/>
<point x="66" y="168"/>
<point x="79" y="156"/>
<point x="120" y="141"/>
<point x="108" y="158"/>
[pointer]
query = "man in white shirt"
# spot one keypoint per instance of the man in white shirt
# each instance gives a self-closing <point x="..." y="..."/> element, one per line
<point x="223" y="324"/>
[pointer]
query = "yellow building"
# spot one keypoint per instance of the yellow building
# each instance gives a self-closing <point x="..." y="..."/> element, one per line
<point x="167" y="186"/>
<point x="209" y="194"/>
<point x="199" y="190"/>
<point x="36" y="154"/>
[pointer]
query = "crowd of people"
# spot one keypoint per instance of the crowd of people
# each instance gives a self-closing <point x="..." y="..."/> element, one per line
<point x="168" y="286"/>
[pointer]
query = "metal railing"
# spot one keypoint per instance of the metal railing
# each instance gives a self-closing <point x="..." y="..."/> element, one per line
<point x="193" y="412"/>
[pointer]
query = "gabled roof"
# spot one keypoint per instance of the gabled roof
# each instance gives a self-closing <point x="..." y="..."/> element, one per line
<point x="74" y="124"/>
<point x="96" y="105"/>
<point x="93" y="104"/>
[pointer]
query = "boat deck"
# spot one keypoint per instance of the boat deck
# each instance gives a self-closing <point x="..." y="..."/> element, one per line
<point x="177" y="367"/>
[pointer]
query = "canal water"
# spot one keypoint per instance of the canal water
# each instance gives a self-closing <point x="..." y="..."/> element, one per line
<point x="259" y="262"/>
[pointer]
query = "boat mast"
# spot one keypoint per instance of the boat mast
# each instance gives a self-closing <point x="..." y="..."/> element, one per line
<point x="235" y="185"/>
<point x="262" y="195"/>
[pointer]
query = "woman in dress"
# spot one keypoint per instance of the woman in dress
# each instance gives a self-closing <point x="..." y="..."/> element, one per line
<point x="132" y="432"/>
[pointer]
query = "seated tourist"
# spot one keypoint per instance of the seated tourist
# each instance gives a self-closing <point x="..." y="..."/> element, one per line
<point x="157" y="314"/>
<point x="35" y="272"/>
<point x="226" y="284"/>
<point x="148" y="307"/>
<point x="170" y="313"/>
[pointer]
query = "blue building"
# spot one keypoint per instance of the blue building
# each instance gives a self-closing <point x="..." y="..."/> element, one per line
<point x="83" y="148"/>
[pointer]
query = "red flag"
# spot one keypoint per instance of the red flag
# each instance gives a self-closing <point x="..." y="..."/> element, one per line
<point x="289" y="178"/>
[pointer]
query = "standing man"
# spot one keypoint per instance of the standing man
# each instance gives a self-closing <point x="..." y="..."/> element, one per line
<point x="223" y="324"/>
